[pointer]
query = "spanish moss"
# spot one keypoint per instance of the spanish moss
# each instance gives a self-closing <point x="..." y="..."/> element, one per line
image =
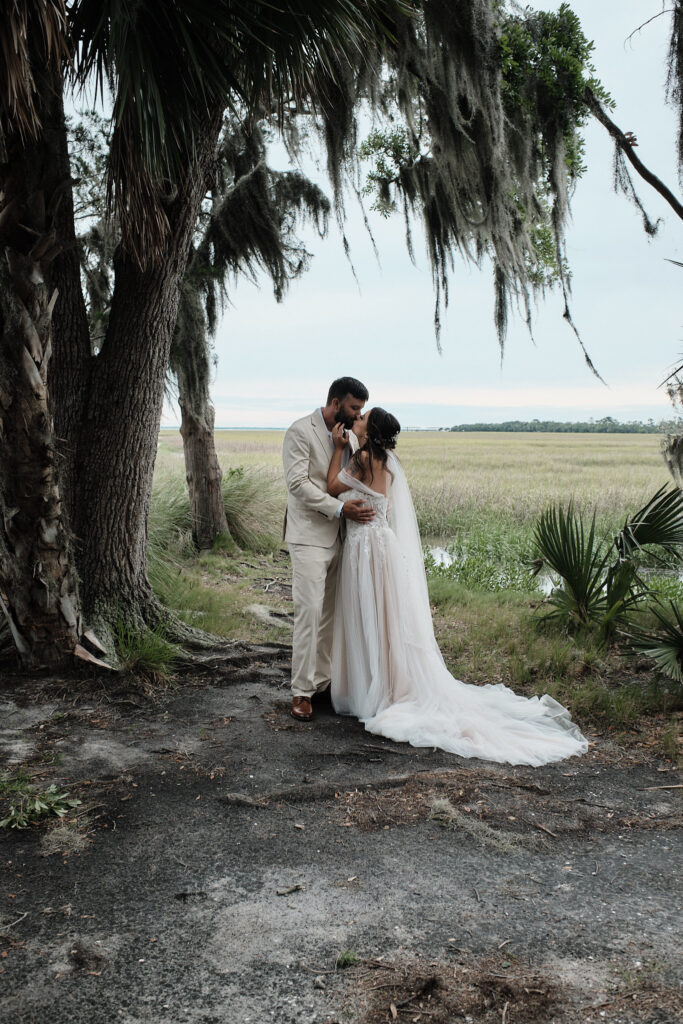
<point x="674" y="81"/>
<point x="624" y="183"/>
<point x="477" y="114"/>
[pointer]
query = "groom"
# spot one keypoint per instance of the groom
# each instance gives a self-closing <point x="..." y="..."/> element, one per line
<point x="313" y="524"/>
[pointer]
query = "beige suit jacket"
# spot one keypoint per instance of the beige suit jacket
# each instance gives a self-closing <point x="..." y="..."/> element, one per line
<point x="311" y="516"/>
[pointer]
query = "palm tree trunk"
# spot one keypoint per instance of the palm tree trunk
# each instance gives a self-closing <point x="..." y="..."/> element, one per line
<point x="71" y="356"/>
<point x="204" y="475"/>
<point x="122" y="414"/>
<point x="191" y="363"/>
<point x="38" y="581"/>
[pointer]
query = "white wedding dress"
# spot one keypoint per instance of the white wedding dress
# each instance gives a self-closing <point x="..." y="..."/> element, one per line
<point x="387" y="669"/>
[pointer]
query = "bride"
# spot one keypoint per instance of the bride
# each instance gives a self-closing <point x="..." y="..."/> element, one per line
<point x="387" y="669"/>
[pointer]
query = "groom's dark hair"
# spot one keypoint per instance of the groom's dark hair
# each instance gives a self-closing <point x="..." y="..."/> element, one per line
<point x="343" y="386"/>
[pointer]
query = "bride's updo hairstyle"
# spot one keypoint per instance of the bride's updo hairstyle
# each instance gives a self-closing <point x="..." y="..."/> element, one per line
<point x="383" y="429"/>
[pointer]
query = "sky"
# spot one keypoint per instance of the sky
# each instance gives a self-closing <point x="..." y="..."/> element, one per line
<point x="276" y="361"/>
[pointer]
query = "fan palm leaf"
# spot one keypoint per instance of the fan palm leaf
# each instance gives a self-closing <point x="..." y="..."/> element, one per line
<point x="664" y="645"/>
<point x="578" y="557"/>
<point x="170" y="66"/>
<point x="659" y="522"/>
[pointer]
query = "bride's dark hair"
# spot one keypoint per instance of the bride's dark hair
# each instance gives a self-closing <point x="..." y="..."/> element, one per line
<point x="383" y="429"/>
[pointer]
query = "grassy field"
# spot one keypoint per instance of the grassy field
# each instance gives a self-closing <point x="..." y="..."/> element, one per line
<point x="458" y="479"/>
<point x="479" y="495"/>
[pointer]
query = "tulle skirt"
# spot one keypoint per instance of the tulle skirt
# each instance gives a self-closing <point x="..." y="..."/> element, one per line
<point x="387" y="670"/>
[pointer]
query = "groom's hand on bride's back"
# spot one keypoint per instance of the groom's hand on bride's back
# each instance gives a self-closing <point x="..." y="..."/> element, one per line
<point x="358" y="511"/>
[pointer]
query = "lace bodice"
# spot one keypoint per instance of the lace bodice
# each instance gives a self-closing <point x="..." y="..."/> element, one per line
<point x="378" y="501"/>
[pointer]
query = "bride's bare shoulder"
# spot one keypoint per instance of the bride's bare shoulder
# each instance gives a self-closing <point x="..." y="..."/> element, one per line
<point x="377" y="476"/>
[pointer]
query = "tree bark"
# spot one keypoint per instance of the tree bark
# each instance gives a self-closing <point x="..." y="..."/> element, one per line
<point x="191" y="364"/>
<point x="38" y="581"/>
<point x="122" y="414"/>
<point x="204" y="476"/>
<point x="67" y="378"/>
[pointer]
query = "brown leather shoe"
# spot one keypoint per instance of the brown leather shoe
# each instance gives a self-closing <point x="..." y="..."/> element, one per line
<point x="302" y="709"/>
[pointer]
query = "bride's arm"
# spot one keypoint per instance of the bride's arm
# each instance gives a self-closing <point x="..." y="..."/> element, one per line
<point x="334" y="487"/>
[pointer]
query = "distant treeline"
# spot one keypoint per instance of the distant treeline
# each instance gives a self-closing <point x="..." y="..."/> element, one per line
<point x="607" y="425"/>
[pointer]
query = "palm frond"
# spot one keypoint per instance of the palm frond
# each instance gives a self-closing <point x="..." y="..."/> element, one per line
<point x="623" y="589"/>
<point x="567" y="611"/>
<point x="659" y="522"/>
<point x="254" y="218"/>
<point x="172" y="66"/>
<point x="579" y="558"/>
<point x="33" y="36"/>
<point x="664" y="645"/>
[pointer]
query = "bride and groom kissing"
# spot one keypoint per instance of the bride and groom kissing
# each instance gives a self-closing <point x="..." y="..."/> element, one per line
<point x="362" y="619"/>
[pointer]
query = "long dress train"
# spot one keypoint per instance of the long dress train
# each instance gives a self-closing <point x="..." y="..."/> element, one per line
<point x="387" y="669"/>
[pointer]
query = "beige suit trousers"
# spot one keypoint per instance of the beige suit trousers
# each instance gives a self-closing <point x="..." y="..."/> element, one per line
<point x="314" y="586"/>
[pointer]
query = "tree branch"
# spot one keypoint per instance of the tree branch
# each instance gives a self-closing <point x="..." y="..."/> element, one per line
<point x="619" y="137"/>
<point x="659" y="14"/>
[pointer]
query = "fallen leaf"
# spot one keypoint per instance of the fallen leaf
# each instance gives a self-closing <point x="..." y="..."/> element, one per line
<point x="394" y="1011"/>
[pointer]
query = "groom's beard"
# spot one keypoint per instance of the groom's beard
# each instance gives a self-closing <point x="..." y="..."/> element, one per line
<point x="344" y="418"/>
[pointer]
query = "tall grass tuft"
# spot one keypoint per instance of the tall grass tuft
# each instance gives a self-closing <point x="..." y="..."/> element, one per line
<point x="170" y="532"/>
<point x="254" y="508"/>
<point x="146" y="652"/>
<point x="488" y="555"/>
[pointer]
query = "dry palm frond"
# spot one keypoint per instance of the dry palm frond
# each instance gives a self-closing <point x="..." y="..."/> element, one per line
<point x="33" y="36"/>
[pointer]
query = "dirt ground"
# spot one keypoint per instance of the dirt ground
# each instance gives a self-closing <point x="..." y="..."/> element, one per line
<point x="230" y="865"/>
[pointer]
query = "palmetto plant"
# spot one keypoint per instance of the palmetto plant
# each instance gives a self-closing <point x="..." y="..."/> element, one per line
<point x="600" y="577"/>
<point x="659" y="523"/>
<point x="663" y="643"/>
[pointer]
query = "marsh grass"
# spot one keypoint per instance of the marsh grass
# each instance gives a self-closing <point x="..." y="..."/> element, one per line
<point x="488" y="555"/>
<point x="513" y="476"/>
<point x="486" y="482"/>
